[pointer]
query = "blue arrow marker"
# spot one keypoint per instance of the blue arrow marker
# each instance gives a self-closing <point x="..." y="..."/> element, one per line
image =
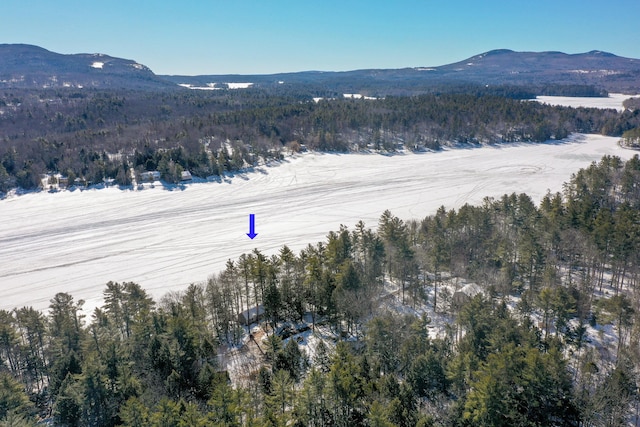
<point x="252" y="227"/>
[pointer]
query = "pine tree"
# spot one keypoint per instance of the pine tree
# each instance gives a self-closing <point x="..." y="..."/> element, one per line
<point x="13" y="398"/>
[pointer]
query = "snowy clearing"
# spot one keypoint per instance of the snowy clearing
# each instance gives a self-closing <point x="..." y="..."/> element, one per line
<point x="212" y="86"/>
<point x="354" y="96"/>
<point x="614" y="101"/>
<point x="239" y="85"/>
<point x="76" y="241"/>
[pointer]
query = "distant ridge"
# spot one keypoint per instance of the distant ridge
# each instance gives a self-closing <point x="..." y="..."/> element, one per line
<point x="602" y="69"/>
<point x="496" y="67"/>
<point x="533" y="62"/>
<point x="26" y="66"/>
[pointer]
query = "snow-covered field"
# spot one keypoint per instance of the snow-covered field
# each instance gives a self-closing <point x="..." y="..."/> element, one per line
<point x="614" y="101"/>
<point x="213" y="86"/>
<point x="77" y="241"/>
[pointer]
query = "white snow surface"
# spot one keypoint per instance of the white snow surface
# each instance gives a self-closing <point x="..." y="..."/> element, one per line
<point x="77" y="241"/>
<point x="355" y="96"/>
<point x="614" y="101"/>
<point x="212" y="86"/>
<point x="239" y="85"/>
<point x="98" y="65"/>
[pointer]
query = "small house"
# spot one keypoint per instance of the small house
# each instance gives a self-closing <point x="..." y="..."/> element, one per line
<point x="150" y="176"/>
<point x="465" y="294"/>
<point x="185" y="176"/>
<point x="251" y="315"/>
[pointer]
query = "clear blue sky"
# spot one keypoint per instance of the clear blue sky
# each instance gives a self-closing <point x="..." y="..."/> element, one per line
<point x="268" y="36"/>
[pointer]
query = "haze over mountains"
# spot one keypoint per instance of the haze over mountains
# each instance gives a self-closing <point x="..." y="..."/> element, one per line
<point x="26" y="66"/>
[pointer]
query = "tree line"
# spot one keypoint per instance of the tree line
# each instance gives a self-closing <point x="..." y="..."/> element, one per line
<point x="517" y="354"/>
<point x="95" y="135"/>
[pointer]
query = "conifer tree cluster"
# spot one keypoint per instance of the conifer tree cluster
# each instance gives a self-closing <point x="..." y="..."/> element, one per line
<point x="95" y="135"/>
<point x="525" y="351"/>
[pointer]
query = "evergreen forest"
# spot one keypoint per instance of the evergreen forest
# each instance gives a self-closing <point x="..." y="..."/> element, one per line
<point x="369" y="327"/>
<point x="96" y="136"/>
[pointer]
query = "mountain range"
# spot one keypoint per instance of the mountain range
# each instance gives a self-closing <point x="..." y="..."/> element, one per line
<point x="26" y="66"/>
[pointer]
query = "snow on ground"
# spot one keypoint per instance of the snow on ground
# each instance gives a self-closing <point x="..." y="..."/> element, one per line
<point x="76" y="241"/>
<point x="209" y="86"/>
<point x="243" y="362"/>
<point x="97" y="64"/>
<point x="614" y="101"/>
<point x="212" y="86"/>
<point x="355" y="96"/>
<point x="239" y="85"/>
<point x="392" y="302"/>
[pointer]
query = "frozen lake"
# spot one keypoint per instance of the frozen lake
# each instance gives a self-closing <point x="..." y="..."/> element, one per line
<point x="164" y="240"/>
<point x="614" y="100"/>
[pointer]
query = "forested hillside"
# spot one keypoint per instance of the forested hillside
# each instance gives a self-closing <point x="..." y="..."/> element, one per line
<point x="93" y="135"/>
<point x="551" y="338"/>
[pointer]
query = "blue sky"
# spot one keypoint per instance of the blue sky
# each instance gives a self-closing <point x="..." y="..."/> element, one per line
<point x="262" y="36"/>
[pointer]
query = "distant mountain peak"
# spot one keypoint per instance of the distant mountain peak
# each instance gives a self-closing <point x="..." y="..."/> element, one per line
<point x="28" y="66"/>
<point x="497" y="52"/>
<point x="601" y="53"/>
<point x="520" y="54"/>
